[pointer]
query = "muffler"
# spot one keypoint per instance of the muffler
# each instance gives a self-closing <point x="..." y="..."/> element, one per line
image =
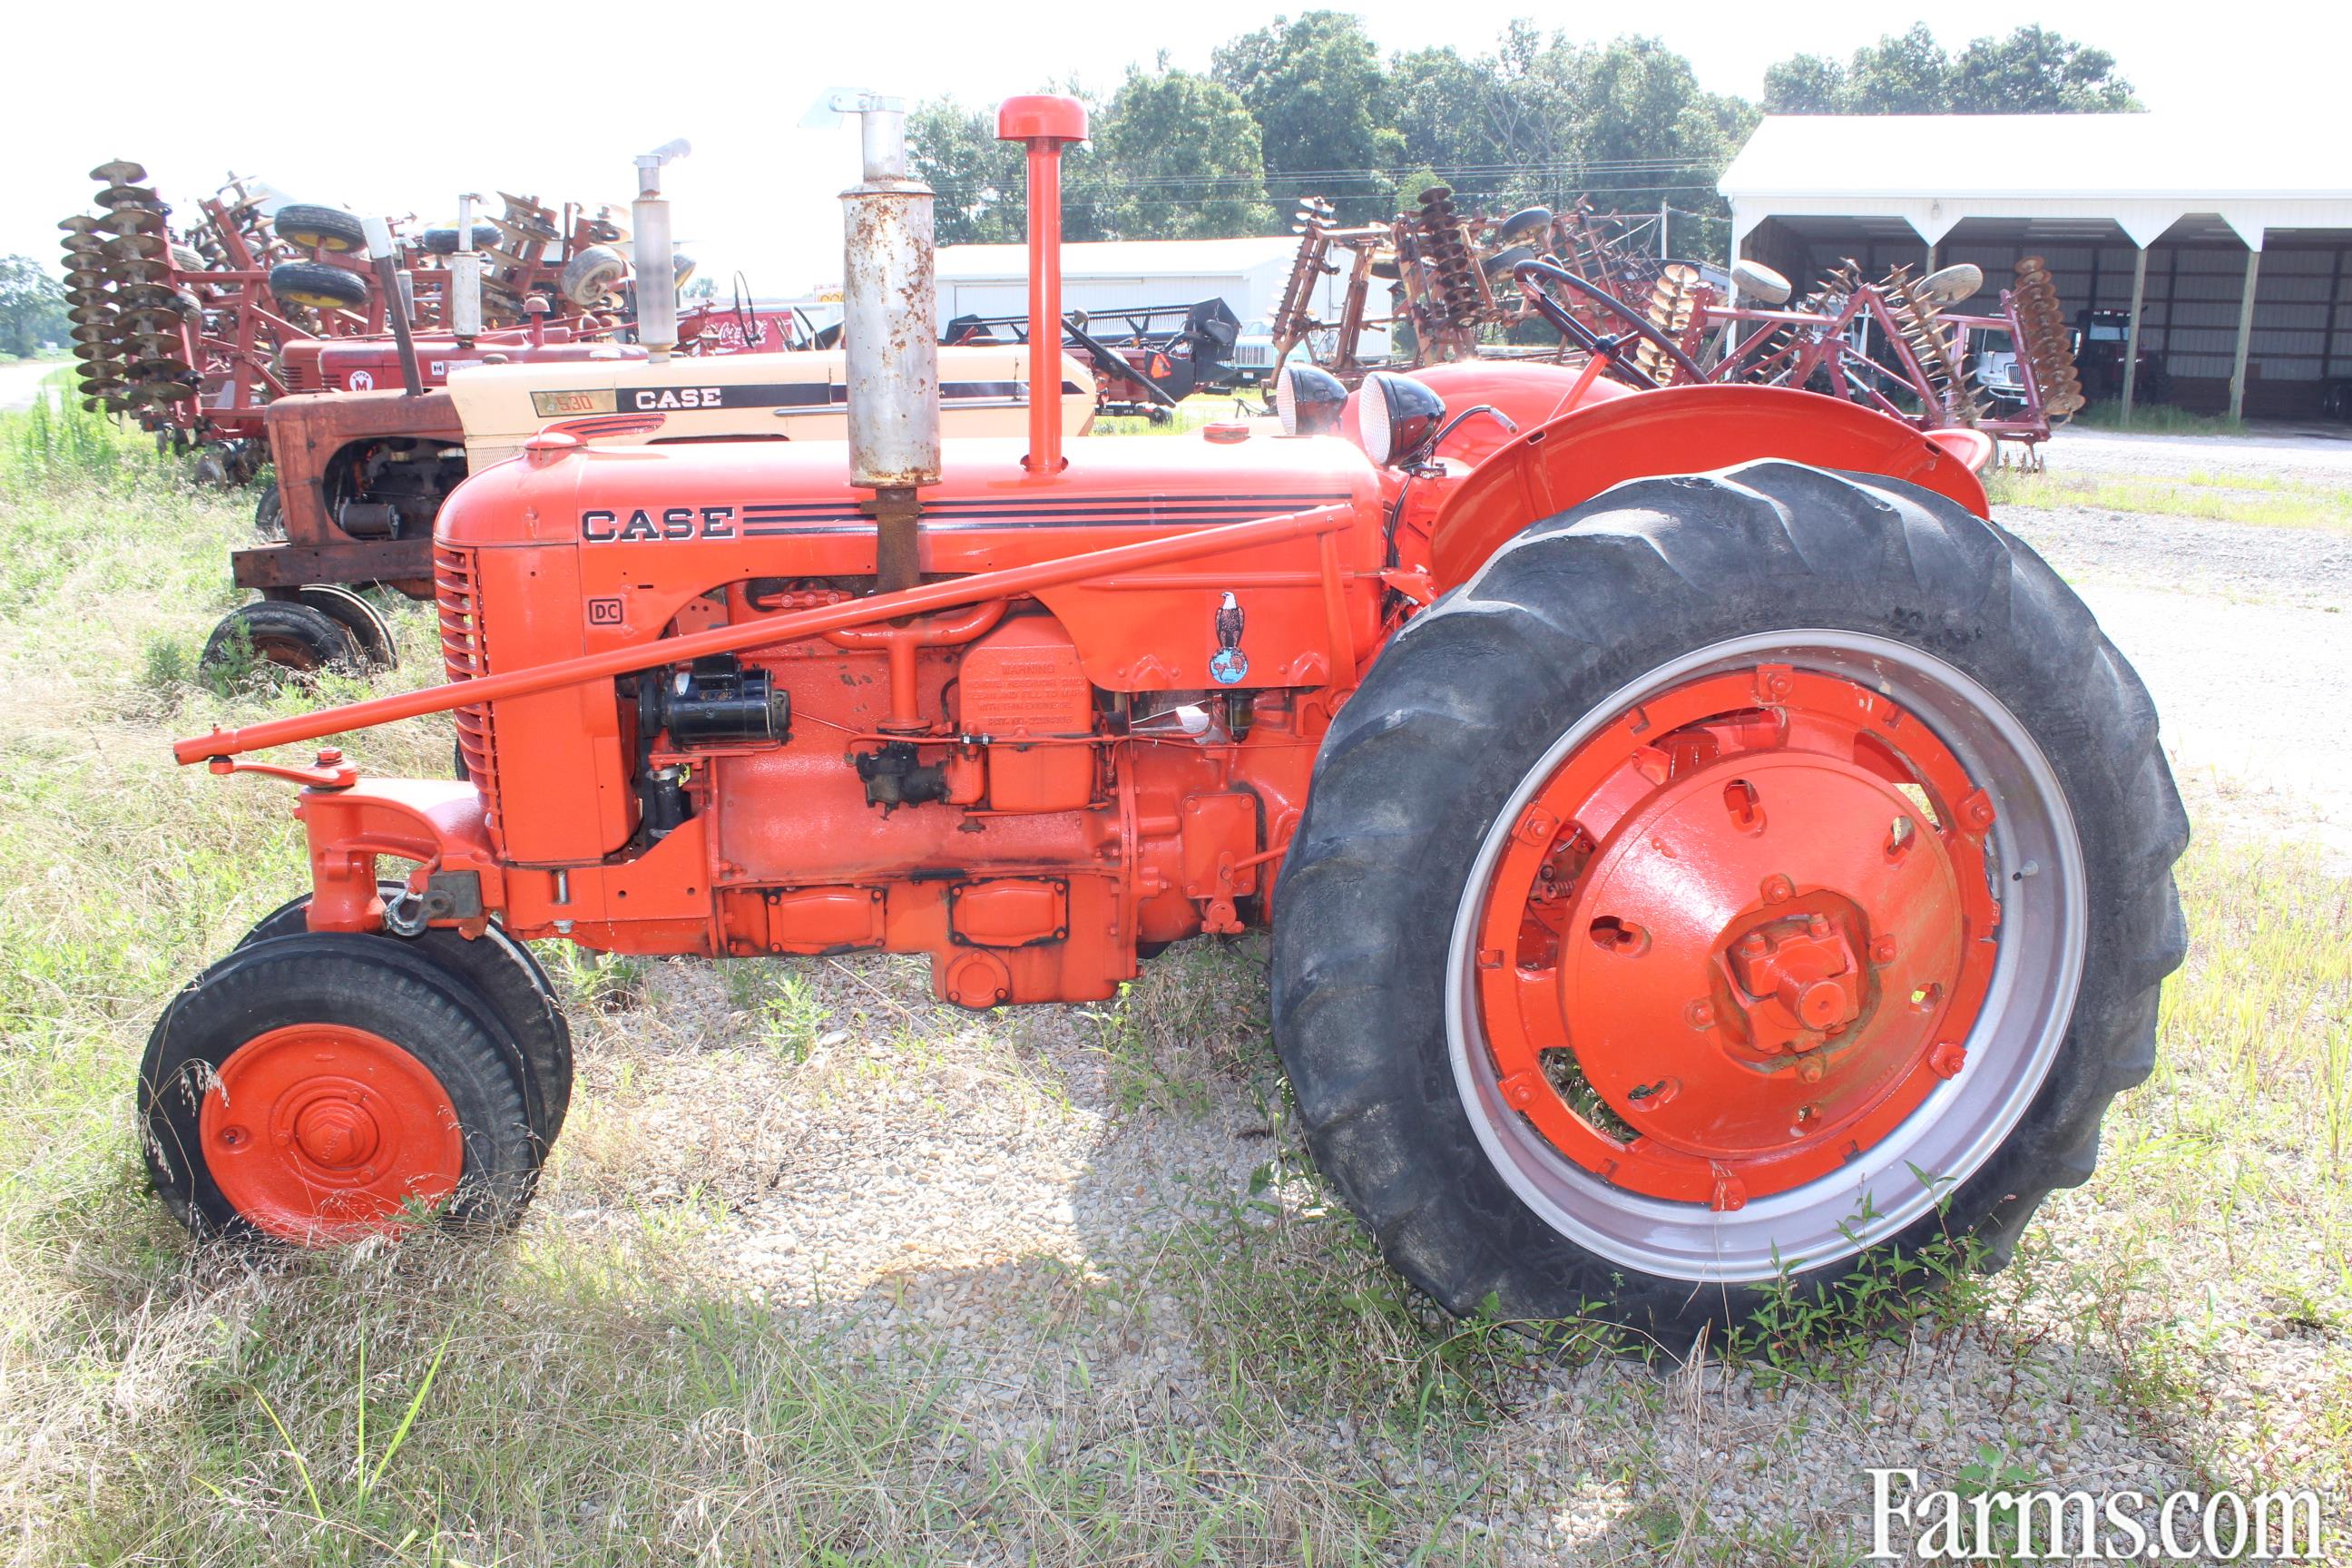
<point x="656" y="289"/>
<point x="889" y="335"/>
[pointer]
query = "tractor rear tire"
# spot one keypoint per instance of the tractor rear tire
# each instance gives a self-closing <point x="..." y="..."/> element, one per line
<point x="1771" y="596"/>
<point x="505" y="975"/>
<point x="292" y="635"/>
<point x="311" y="227"/>
<point x="318" y="285"/>
<point x="315" y="1089"/>
<point x="270" y="514"/>
<point x="371" y="633"/>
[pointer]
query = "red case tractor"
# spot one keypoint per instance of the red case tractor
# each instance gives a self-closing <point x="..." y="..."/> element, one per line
<point x="1701" y="849"/>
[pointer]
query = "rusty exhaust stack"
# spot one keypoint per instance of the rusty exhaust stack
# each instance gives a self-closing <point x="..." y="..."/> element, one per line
<point x="889" y="335"/>
<point x="1046" y="124"/>
<point x="656" y="264"/>
<point x="464" y="265"/>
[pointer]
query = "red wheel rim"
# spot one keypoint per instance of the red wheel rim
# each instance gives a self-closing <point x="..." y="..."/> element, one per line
<point x="320" y="1133"/>
<point x="1737" y="935"/>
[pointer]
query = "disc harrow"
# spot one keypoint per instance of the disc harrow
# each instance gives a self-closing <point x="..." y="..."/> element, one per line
<point x="1937" y="371"/>
<point x="1446" y="291"/>
<point x="1672" y="307"/>
<point x="2042" y="339"/>
<point x="128" y="353"/>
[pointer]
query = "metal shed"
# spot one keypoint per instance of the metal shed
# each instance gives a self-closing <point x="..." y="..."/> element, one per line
<point x="2227" y="248"/>
<point x="1104" y="275"/>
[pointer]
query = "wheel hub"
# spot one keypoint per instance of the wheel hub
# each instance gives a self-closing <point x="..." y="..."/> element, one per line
<point x="337" y="1134"/>
<point x="319" y="1131"/>
<point x="1731" y="933"/>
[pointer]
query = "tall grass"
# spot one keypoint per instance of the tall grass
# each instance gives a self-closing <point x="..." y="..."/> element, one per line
<point x="2262" y="501"/>
<point x="2156" y="419"/>
<point x="57" y="441"/>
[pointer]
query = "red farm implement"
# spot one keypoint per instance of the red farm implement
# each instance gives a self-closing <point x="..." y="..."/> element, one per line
<point x="1456" y="288"/>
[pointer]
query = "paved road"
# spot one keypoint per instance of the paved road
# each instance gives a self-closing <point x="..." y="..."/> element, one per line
<point x="20" y="378"/>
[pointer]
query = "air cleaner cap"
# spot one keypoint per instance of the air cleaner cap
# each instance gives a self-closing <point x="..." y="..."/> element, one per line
<point x="1038" y="116"/>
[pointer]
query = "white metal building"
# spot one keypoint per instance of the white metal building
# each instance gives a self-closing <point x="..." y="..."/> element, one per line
<point x="1104" y="275"/>
<point x="2230" y="249"/>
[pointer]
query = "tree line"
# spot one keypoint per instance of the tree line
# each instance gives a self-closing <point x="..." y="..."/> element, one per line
<point x="1309" y="105"/>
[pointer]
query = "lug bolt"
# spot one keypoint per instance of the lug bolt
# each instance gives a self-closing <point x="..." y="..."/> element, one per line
<point x="1809" y="1068"/>
<point x="1976" y="812"/>
<point x="1883" y="951"/>
<point x="1730" y="1193"/>
<point x="1817" y="926"/>
<point x="1752" y="945"/>
<point x="1948" y="1058"/>
<point x="1700" y="1015"/>
<point x="1779" y="889"/>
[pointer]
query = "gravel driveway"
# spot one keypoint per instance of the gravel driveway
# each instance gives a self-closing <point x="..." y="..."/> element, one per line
<point x="2315" y="454"/>
<point x="21" y="379"/>
<point x="2244" y="637"/>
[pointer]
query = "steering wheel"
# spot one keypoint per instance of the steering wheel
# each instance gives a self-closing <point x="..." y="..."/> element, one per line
<point x="1610" y="349"/>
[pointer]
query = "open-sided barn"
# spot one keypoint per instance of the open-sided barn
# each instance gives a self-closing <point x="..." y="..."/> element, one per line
<point x="2228" y="253"/>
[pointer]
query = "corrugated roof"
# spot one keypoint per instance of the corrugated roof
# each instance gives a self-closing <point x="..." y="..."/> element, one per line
<point x="2144" y="170"/>
<point x="1118" y="259"/>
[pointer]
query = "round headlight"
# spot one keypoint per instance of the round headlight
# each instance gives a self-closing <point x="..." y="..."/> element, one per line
<point x="1399" y="416"/>
<point x="1309" y="400"/>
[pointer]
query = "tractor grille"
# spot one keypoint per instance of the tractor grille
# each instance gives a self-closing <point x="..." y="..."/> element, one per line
<point x="462" y="653"/>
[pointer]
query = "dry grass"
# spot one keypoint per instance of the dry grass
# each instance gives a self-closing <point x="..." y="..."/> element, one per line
<point x="1237" y="1381"/>
<point x="2264" y="500"/>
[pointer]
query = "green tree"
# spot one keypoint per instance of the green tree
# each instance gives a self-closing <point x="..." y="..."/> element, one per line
<point x="983" y="184"/>
<point x="1804" y="84"/>
<point x="1903" y="73"/>
<point x="32" y="307"/>
<point x="2037" y="71"/>
<point x="2031" y="72"/>
<point x="980" y="181"/>
<point x="1178" y="158"/>
<point x="1445" y="110"/>
<point x="1317" y="88"/>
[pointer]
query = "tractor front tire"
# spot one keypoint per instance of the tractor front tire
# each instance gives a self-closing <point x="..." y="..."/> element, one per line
<point x="371" y="633"/>
<point x="1743" y="879"/>
<point x="292" y="635"/>
<point x="318" y="1088"/>
<point x="505" y="975"/>
<point x="270" y="513"/>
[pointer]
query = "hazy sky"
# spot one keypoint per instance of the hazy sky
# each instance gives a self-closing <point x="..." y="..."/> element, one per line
<point x="299" y="97"/>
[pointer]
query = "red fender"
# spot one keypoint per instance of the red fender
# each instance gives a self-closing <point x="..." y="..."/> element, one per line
<point x="1686" y="430"/>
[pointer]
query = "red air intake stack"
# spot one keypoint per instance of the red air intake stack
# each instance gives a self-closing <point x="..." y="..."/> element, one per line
<point x="1046" y="124"/>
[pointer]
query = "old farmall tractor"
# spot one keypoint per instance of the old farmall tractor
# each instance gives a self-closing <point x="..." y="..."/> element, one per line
<point x="1700" y="848"/>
